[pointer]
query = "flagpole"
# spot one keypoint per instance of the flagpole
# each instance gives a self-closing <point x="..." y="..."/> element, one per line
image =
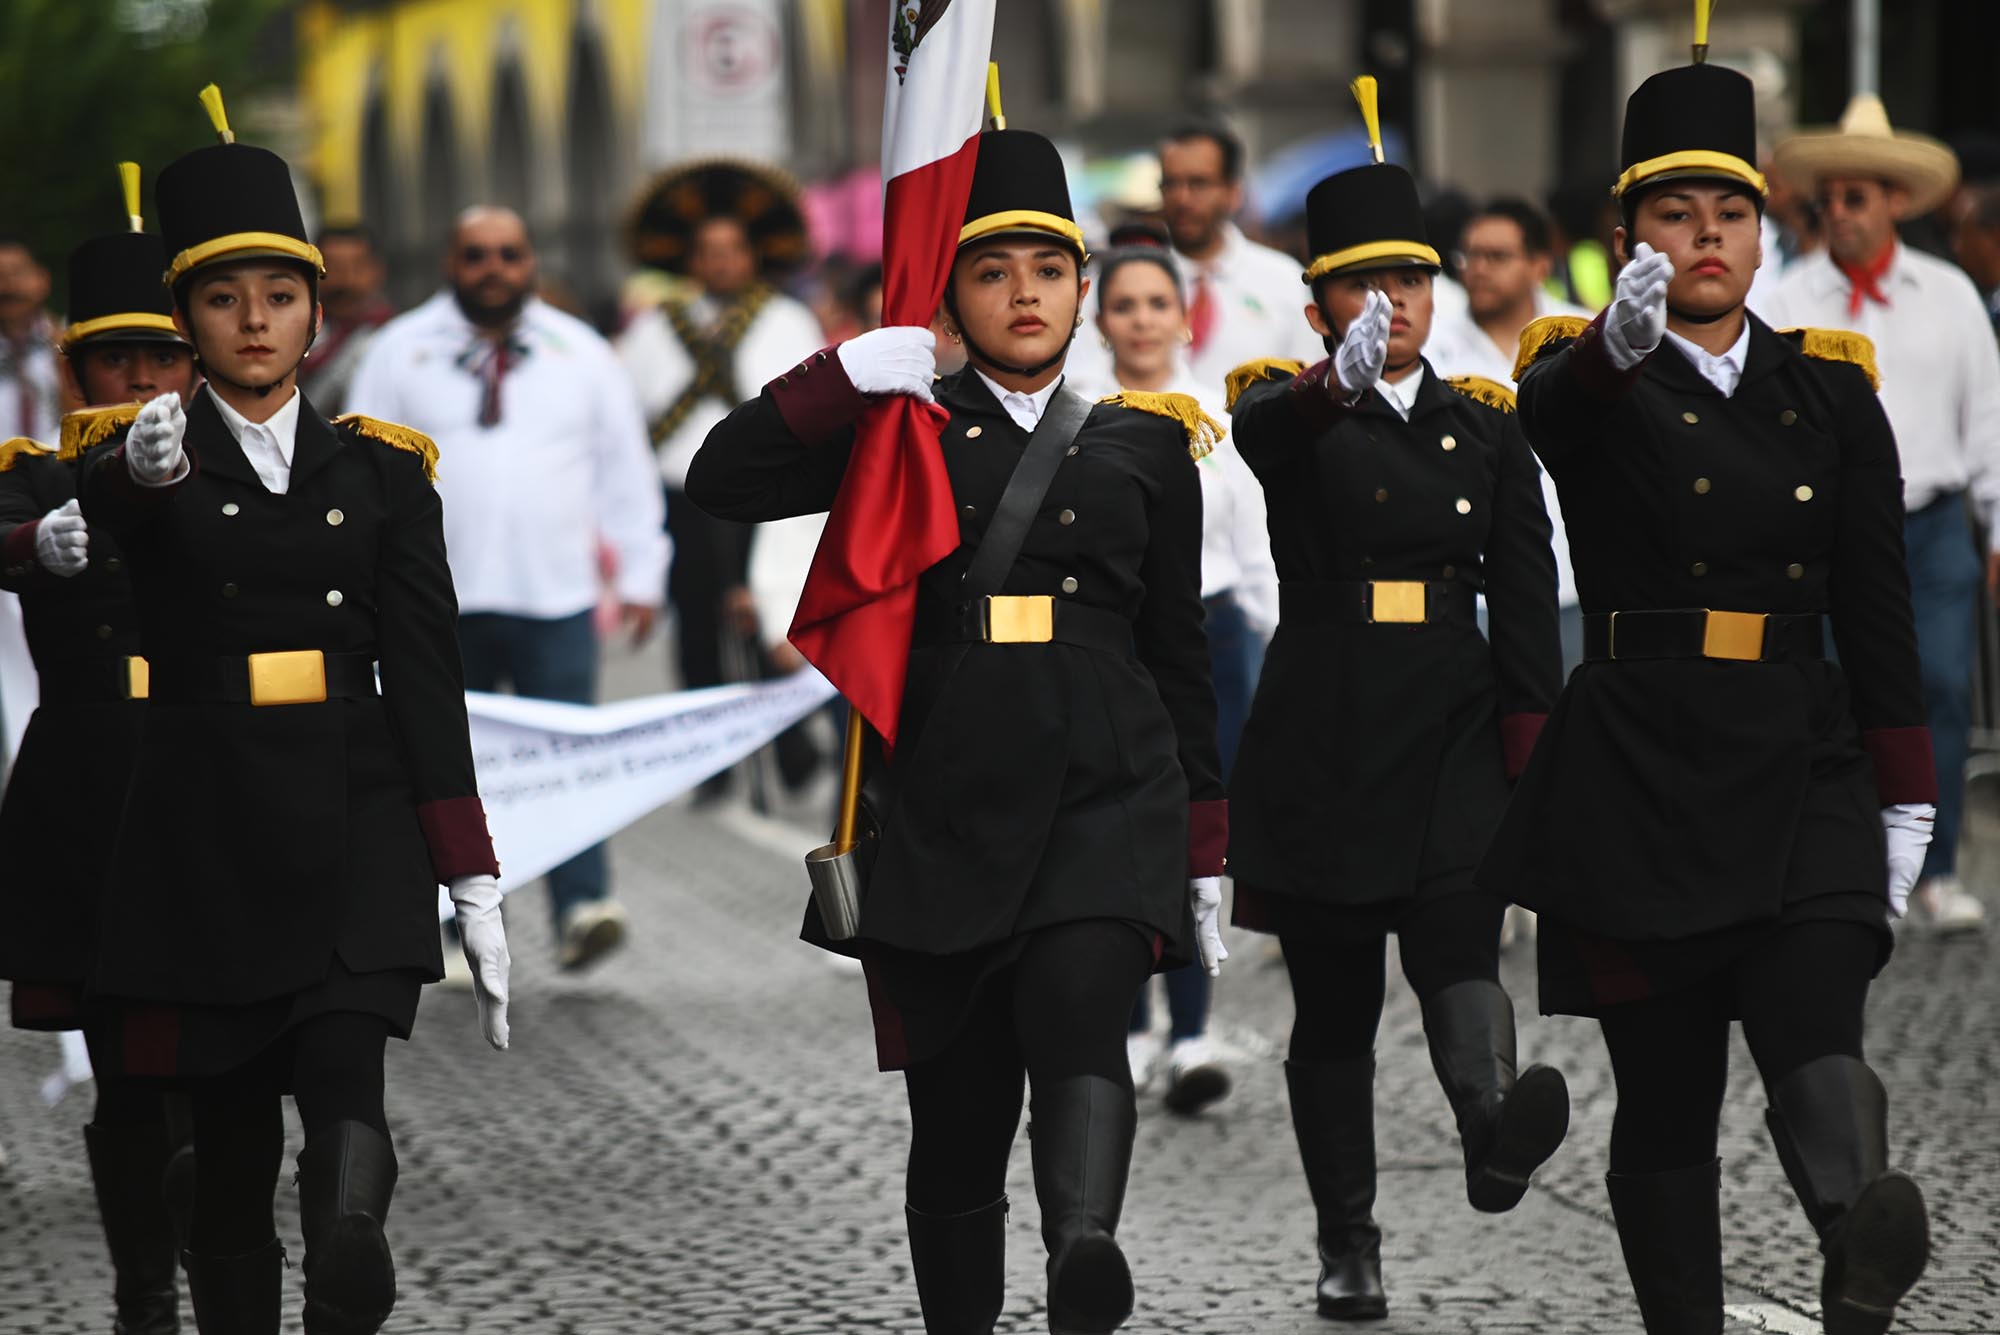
<point x="850" y="784"/>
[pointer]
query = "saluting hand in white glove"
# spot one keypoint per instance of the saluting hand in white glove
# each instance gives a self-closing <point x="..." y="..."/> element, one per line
<point x="1364" y="349"/>
<point x="477" y="899"/>
<point x="1908" y="831"/>
<point x="1205" y="893"/>
<point x="895" y="359"/>
<point x="153" y="453"/>
<point x="62" y="540"/>
<point x="1638" y="316"/>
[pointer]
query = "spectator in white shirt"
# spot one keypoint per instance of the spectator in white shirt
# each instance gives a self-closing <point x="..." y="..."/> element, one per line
<point x="28" y="397"/>
<point x="1940" y="372"/>
<point x="1244" y="299"/>
<point x="1505" y="256"/>
<point x="548" y="485"/>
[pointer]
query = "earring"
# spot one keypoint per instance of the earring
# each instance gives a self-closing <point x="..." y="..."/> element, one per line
<point x="951" y="333"/>
<point x="1078" y="325"/>
<point x="1103" y="342"/>
<point x="1187" y="334"/>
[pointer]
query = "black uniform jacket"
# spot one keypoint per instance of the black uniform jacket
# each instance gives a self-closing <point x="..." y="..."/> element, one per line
<point x="1674" y="797"/>
<point x="260" y="841"/>
<point x="76" y="754"/>
<point x="1032" y="784"/>
<point x="1376" y="759"/>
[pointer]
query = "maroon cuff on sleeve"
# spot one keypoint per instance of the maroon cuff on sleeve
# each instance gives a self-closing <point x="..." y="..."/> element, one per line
<point x="1317" y="397"/>
<point x="18" y="552"/>
<point x="1590" y="362"/>
<point x="455" y="829"/>
<point x="118" y="476"/>
<point x="1905" y="770"/>
<point x="1208" y="837"/>
<point x="816" y="398"/>
<point x="1517" y="740"/>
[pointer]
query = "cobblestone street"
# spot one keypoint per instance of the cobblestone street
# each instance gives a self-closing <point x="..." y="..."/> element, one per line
<point x="694" y="1139"/>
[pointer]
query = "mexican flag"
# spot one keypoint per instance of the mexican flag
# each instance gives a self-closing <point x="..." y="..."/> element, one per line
<point x="894" y="517"/>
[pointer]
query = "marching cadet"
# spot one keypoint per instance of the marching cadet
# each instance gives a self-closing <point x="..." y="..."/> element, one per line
<point x="1699" y="826"/>
<point x="270" y="913"/>
<point x="120" y="347"/>
<point x="1054" y="788"/>
<point x="1386" y="729"/>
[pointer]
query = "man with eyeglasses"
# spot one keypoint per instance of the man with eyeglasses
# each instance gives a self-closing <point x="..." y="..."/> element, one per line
<point x="1940" y="372"/>
<point x="1243" y="299"/>
<point x="549" y="493"/>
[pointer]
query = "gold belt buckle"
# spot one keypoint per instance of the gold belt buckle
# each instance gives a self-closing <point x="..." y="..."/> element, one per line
<point x="1397" y="601"/>
<point x="1738" y="636"/>
<point x="1020" y="619"/>
<point x="138" y="678"/>
<point x="294" y="677"/>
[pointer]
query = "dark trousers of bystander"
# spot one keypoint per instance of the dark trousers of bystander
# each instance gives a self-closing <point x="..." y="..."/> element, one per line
<point x="1945" y="576"/>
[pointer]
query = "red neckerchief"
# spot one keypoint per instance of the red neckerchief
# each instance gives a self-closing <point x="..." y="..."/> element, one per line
<point x="1866" y="281"/>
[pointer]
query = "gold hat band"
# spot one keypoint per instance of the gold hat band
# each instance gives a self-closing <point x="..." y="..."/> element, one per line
<point x="1415" y="251"/>
<point x="222" y="247"/>
<point x="1690" y="162"/>
<point x="134" y="321"/>
<point x="1017" y="220"/>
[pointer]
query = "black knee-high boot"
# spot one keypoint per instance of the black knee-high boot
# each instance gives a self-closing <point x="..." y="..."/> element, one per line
<point x="960" y="1266"/>
<point x="1333" y="1115"/>
<point x="1080" y="1132"/>
<point x="178" y="1178"/>
<point x="1670" y="1227"/>
<point x="237" y="1295"/>
<point x="1508" y="1126"/>
<point x="347" y="1173"/>
<point x="127" y="1166"/>
<point x="1829" y="1121"/>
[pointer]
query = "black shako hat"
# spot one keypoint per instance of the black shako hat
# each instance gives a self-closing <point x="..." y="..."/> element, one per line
<point x="229" y="201"/>
<point x="115" y="293"/>
<point x="1019" y="189"/>
<point x="1367" y="217"/>
<point x="1698" y="121"/>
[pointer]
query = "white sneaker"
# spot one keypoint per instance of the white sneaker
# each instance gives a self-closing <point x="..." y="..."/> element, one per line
<point x="590" y="931"/>
<point x="1517" y="925"/>
<point x="1196" y="1076"/>
<point x="1143" y="1051"/>
<point x="1949" y="906"/>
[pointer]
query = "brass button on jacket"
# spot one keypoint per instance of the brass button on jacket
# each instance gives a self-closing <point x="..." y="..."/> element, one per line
<point x="1702" y="486"/>
<point x="1069" y="584"/>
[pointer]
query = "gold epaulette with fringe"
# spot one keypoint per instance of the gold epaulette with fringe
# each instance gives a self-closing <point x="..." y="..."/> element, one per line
<point x="1203" y="431"/>
<point x="1838" y="345"/>
<point x="21" y="448"/>
<point x="1248" y="374"/>
<point x="93" y="426"/>
<point x="1489" y="392"/>
<point x="394" y="433"/>
<point x="1540" y="333"/>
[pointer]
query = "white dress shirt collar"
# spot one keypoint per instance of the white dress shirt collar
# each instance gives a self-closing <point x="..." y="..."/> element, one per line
<point x="267" y="444"/>
<point x="1402" y="395"/>
<point x="1025" y="409"/>
<point x="1724" y="372"/>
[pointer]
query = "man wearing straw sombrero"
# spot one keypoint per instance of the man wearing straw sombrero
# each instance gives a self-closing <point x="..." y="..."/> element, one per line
<point x="1941" y="389"/>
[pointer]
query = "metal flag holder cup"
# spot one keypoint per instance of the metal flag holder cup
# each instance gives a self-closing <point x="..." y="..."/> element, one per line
<point x="835" y="868"/>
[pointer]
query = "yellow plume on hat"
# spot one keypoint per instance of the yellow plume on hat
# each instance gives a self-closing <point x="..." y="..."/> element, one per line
<point x="1702" y="9"/>
<point x="998" y="120"/>
<point x="128" y="180"/>
<point x="1365" y="95"/>
<point x="211" y="101"/>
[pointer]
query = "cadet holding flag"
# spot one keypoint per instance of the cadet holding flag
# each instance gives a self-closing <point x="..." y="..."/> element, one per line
<point x="1052" y="806"/>
<point x="270" y="913"/>
<point x="1386" y="729"/>
<point x="76" y="599"/>
<point x="1719" y="823"/>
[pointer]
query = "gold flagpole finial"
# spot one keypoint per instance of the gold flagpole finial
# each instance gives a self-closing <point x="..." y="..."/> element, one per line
<point x="128" y="180"/>
<point x="1702" y="9"/>
<point x="995" y="119"/>
<point x="211" y="101"/>
<point x="1365" y="95"/>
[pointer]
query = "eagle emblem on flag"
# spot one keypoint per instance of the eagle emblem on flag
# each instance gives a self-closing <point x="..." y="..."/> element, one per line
<point x="914" y="20"/>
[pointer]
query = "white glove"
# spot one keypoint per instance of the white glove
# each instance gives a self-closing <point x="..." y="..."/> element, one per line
<point x="895" y="359"/>
<point x="153" y="454"/>
<point x="1205" y="892"/>
<point x="477" y="899"/>
<point x="1908" y="829"/>
<point x="62" y="541"/>
<point x="1364" y="350"/>
<point x="1638" y="317"/>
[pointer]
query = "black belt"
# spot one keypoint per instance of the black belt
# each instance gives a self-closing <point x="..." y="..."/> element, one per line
<point x="1375" y="602"/>
<point x="90" y="681"/>
<point x="293" y="677"/>
<point x="1740" y="637"/>
<point x="1037" y="619"/>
